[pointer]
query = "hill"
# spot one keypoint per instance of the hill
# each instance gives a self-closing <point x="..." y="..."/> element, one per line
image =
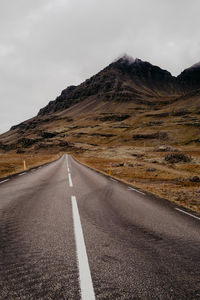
<point x="129" y="116"/>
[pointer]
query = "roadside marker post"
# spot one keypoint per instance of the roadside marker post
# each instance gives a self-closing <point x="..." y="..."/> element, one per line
<point x="24" y="165"/>
<point x="110" y="171"/>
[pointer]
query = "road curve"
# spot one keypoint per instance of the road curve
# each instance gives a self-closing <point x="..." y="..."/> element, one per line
<point x="68" y="232"/>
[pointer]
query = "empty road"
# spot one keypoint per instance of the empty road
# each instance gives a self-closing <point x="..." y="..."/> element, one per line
<point x="68" y="232"/>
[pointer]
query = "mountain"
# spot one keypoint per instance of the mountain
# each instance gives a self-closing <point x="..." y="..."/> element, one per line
<point x="118" y="102"/>
<point x="127" y="79"/>
<point x="189" y="79"/>
<point x="132" y="119"/>
<point x="122" y="80"/>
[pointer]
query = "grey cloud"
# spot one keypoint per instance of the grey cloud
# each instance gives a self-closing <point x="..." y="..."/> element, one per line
<point x="46" y="45"/>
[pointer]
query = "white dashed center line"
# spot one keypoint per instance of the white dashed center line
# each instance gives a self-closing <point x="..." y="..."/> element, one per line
<point x="187" y="213"/>
<point x="70" y="180"/>
<point x="67" y="162"/>
<point x="86" y="286"/>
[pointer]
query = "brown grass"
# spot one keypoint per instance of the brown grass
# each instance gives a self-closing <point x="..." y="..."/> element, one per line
<point x="171" y="182"/>
<point x="11" y="163"/>
<point x="103" y="144"/>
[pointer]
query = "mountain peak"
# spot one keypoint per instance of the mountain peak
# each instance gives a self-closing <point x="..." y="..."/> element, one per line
<point x="125" y="58"/>
<point x="127" y="79"/>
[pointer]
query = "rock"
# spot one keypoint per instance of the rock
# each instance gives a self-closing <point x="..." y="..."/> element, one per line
<point x="138" y="154"/>
<point x="195" y="179"/>
<point x="126" y="164"/>
<point x="64" y="144"/>
<point x="69" y="120"/>
<point x="164" y="148"/>
<point x="20" y="151"/>
<point x="164" y="114"/>
<point x="114" y="165"/>
<point x="19" y="126"/>
<point x="131" y="165"/>
<point x="193" y="141"/>
<point x="156" y="135"/>
<point x="177" y="157"/>
<point x="153" y="123"/>
<point x="151" y="169"/>
<point x="182" y="112"/>
<point x="113" y="117"/>
<point x="48" y="135"/>
<point x="103" y="134"/>
<point x="26" y="142"/>
<point x="7" y="147"/>
<point x="181" y="179"/>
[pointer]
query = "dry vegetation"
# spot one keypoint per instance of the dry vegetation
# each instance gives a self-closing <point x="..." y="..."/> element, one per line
<point x="148" y="170"/>
<point x="11" y="163"/>
<point x="129" y="134"/>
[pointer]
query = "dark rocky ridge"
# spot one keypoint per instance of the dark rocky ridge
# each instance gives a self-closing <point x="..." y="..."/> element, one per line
<point x="189" y="79"/>
<point x="128" y="80"/>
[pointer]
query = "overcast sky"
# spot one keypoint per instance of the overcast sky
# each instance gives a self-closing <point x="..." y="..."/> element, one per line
<point x="46" y="45"/>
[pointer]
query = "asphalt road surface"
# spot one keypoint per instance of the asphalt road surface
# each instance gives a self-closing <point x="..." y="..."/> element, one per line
<point x="67" y="232"/>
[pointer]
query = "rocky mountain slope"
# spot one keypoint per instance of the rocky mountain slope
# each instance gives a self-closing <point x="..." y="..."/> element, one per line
<point x="129" y="80"/>
<point x="189" y="79"/>
<point x="127" y="98"/>
<point x="123" y="80"/>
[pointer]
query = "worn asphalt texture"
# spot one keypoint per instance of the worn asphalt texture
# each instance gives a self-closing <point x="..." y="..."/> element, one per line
<point x="138" y="246"/>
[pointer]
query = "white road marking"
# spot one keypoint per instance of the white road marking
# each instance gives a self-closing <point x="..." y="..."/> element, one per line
<point x="67" y="161"/>
<point x="187" y="213"/>
<point x="68" y="169"/>
<point x="22" y="174"/>
<point x="113" y="179"/>
<point x="70" y="180"/>
<point x="86" y="286"/>
<point x="4" y="181"/>
<point x="130" y="188"/>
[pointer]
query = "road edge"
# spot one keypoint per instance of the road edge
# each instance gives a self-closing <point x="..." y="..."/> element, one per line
<point x="152" y="195"/>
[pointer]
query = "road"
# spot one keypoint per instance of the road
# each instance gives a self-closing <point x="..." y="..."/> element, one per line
<point x="68" y="232"/>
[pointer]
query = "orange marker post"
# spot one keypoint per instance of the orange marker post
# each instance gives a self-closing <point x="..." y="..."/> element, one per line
<point x="24" y="165"/>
